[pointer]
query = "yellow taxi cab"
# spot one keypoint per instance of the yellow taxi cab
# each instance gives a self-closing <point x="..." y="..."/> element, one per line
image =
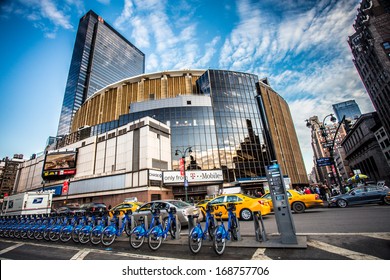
<point x="123" y="207"/>
<point x="299" y="202"/>
<point x="245" y="205"/>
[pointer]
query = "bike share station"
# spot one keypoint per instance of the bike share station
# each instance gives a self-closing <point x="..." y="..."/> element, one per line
<point x="287" y="237"/>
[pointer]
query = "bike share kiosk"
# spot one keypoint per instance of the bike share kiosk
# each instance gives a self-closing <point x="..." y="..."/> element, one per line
<point x="282" y="211"/>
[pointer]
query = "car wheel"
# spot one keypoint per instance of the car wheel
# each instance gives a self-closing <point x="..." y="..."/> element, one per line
<point x="342" y="203"/>
<point x="246" y="215"/>
<point x="386" y="200"/>
<point x="298" y="207"/>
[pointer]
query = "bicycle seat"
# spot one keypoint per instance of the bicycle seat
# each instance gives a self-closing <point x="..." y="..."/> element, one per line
<point x="141" y="218"/>
<point x="129" y="212"/>
<point x="172" y="210"/>
<point x="219" y="214"/>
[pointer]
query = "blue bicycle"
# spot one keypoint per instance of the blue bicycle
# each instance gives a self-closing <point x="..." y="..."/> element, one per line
<point x="85" y="231"/>
<point x="66" y="231"/>
<point x="113" y="230"/>
<point x="159" y="233"/>
<point x="221" y="234"/>
<point x="197" y="234"/>
<point x="139" y="233"/>
<point x="96" y="234"/>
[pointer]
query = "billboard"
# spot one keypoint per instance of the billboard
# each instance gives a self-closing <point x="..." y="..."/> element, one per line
<point x="59" y="164"/>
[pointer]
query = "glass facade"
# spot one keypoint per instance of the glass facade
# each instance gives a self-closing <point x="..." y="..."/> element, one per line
<point x="227" y="135"/>
<point x="348" y="108"/>
<point x="101" y="56"/>
<point x="242" y="150"/>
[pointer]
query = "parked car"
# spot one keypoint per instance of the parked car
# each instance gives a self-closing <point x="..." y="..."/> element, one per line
<point x="362" y="195"/>
<point x="124" y="206"/>
<point x="183" y="209"/>
<point x="69" y="209"/>
<point x="387" y="198"/>
<point x="299" y="202"/>
<point x="245" y="205"/>
<point x="94" y="207"/>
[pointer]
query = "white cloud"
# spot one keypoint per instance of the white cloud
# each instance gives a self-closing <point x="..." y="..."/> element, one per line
<point x="125" y="17"/>
<point x="50" y="11"/>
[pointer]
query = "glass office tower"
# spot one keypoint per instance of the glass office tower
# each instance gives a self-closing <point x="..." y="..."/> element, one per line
<point x="101" y="56"/>
<point x="349" y="109"/>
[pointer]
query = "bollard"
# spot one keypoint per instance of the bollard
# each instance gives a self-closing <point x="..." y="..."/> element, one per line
<point x="261" y="236"/>
<point x="238" y="231"/>
<point x="177" y="232"/>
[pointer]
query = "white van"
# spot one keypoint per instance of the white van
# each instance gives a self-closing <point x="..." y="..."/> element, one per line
<point x="27" y="203"/>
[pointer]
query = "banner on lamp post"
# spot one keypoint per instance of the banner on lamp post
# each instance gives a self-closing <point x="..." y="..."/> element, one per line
<point x="182" y="167"/>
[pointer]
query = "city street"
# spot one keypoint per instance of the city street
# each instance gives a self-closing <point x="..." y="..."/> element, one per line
<point x="359" y="233"/>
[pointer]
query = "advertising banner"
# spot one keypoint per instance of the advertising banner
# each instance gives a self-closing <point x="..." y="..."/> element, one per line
<point x="59" y="164"/>
<point x="193" y="176"/>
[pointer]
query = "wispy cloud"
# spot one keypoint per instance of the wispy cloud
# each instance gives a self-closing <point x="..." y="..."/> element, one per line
<point x="47" y="15"/>
<point x="303" y="52"/>
<point x="175" y="43"/>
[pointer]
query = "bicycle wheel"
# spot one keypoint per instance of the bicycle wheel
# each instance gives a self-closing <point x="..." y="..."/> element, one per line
<point x="136" y="239"/>
<point x="75" y="235"/>
<point x="46" y="233"/>
<point x="84" y="236"/>
<point x="30" y="234"/>
<point x="195" y="240"/>
<point x="219" y="242"/>
<point x="23" y="233"/>
<point x="107" y="237"/>
<point x="38" y="234"/>
<point x="54" y="235"/>
<point x="95" y="236"/>
<point x="154" y="238"/>
<point x="65" y="235"/>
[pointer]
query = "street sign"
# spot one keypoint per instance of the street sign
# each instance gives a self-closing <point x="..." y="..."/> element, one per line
<point x="324" y="162"/>
<point x="327" y="145"/>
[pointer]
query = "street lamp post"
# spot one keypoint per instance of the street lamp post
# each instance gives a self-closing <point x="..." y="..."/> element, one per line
<point x="183" y="168"/>
<point x="329" y="145"/>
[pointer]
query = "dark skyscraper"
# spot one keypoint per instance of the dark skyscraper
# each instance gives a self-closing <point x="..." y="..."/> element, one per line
<point x="101" y="56"/>
<point x="349" y="109"/>
<point x="370" y="46"/>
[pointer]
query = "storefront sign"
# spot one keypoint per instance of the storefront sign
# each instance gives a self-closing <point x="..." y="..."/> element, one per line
<point x="155" y="175"/>
<point x="193" y="176"/>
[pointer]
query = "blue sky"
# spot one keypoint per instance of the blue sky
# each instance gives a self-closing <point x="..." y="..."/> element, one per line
<point x="300" y="45"/>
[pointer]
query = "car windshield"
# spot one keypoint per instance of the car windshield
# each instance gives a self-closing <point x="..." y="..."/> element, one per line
<point x="179" y="203"/>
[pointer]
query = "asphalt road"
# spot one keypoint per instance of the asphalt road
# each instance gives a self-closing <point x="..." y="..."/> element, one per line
<point x="358" y="233"/>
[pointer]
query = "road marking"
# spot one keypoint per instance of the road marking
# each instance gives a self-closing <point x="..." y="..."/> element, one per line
<point x="379" y="235"/>
<point x="81" y="254"/>
<point x="6" y="250"/>
<point x="260" y="255"/>
<point x="340" y="251"/>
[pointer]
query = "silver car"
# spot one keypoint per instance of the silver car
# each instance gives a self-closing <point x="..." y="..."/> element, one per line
<point x="183" y="209"/>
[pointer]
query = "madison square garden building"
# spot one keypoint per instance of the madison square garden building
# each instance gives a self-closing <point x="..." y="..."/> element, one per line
<point x="226" y="121"/>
